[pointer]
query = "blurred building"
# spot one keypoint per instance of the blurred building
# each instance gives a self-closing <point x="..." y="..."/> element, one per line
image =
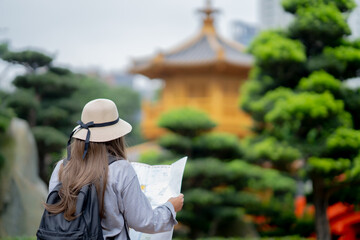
<point x="353" y="83"/>
<point x="272" y="15"/>
<point x="244" y="32"/>
<point x="121" y="79"/>
<point x="354" y="21"/>
<point x="206" y="72"/>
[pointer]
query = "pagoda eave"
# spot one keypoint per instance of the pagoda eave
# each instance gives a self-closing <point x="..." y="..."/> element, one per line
<point x="160" y="70"/>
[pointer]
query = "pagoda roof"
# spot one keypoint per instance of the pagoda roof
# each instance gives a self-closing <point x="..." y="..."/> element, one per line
<point x="206" y="49"/>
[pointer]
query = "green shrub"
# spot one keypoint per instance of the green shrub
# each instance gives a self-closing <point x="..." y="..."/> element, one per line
<point x="278" y="57"/>
<point x="262" y="106"/>
<point x="320" y="82"/>
<point x="292" y="5"/>
<point x="209" y="173"/>
<point x="205" y="173"/>
<point x="154" y="157"/>
<point x="270" y="149"/>
<point x="328" y="166"/>
<point x="343" y="142"/>
<point x="218" y="145"/>
<point x="202" y="197"/>
<point x="186" y="121"/>
<point x="176" y="143"/>
<point x="308" y="115"/>
<point x="341" y="62"/>
<point x="318" y="26"/>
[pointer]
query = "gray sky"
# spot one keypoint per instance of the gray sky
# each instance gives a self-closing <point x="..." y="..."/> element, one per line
<point x="107" y="34"/>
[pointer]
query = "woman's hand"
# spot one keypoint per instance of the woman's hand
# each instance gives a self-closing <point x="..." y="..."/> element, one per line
<point x="177" y="202"/>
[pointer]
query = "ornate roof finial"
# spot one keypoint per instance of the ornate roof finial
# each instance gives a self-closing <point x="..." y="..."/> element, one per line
<point x="208" y="11"/>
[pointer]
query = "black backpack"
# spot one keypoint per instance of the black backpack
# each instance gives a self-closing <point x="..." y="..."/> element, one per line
<point x="86" y="226"/>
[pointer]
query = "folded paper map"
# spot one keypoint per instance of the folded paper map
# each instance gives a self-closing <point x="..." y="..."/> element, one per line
<point x="159" y="183"/>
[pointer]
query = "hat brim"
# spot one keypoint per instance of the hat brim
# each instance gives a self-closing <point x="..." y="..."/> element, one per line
<point x="104" y="134"/>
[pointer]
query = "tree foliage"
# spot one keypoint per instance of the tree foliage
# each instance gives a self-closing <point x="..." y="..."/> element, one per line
<point x="310" y="115"/>
<point x="341" y="61"/>
<point x="36" y="100"/>
<point x="269" y="149"/>
<point x="292" y="6"/>
<point x="307" y="116"/>
<point x="279" y="58"/>
<point x="320" y="82"/>
<point x="220" y="189"/>
<point x="318" y="26"/>
<point x="176" y="143"/>
<point x="186" y="121"/>
<point x="51" y="101"/>
<point x="219" y="145"/>
<point x="28" y="58"/>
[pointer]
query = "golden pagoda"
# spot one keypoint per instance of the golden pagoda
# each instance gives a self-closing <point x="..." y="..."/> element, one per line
<point x="206" y="73"/>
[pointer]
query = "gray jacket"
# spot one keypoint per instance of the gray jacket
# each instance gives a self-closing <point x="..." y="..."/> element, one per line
<point x="124" y="199"/>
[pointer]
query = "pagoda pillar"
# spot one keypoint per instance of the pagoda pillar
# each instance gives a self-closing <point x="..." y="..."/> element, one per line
<point x="216" y="100"/>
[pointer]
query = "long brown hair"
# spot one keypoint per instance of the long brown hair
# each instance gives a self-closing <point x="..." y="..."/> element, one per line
<point x="79" y="172"/>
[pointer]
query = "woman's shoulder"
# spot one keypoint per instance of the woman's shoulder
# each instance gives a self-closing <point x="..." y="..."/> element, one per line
<point x="121" y="170"/>
<point x="120" y="164"/>
<point x="54" y="179"/>
<point x="57" y="166"/>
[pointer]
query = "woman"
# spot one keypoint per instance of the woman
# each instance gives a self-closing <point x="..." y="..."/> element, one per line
<point x="122" y="204"/>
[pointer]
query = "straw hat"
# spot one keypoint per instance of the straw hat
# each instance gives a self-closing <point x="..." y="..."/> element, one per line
<point x="106" y="124"/>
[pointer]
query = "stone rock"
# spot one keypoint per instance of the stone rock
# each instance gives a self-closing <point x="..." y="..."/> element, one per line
<point x="22" y="193"/>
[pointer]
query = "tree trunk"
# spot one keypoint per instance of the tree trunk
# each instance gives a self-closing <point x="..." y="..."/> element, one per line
<point x="42" y="166"/>
<point x="32" y="117"/>
<point x="321" y="205"/>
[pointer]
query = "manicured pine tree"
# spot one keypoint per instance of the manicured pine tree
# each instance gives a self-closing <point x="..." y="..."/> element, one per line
<point x="51" y="99"/>
<point x="220" y="189"/>
<point x="38" y="99"/>
<point x="304" y="115"/>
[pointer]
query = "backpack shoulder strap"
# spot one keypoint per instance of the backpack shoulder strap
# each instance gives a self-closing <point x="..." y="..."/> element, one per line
<point x="126" y="228"/>
<point x="53" y="196"/>
<point x="112" y="158"/>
